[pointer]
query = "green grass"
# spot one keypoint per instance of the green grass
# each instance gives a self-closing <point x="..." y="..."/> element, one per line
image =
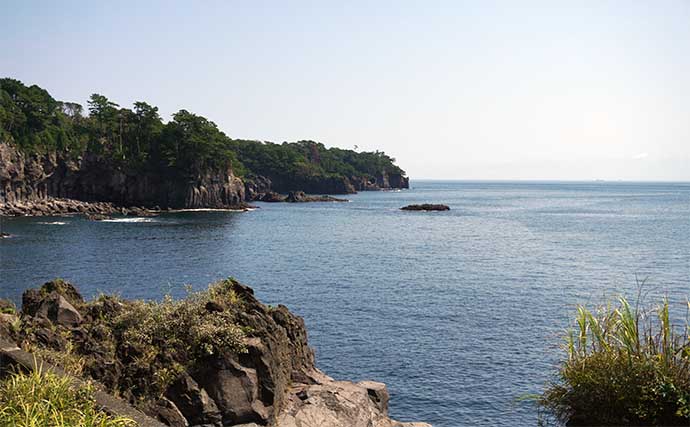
<point x="624" y="366"/>
<point x="41" y="399"/>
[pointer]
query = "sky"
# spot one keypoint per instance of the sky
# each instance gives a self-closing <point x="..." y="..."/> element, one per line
<point x="485" y="89"/>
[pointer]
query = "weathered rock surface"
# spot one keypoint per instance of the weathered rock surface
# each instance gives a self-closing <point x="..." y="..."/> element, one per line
<point x="338" y="404"/>
<point x="274" y="383"/>
<point x="301" y="197"/>
<point x="425" y="207"/>
<point x="29" y="185"/>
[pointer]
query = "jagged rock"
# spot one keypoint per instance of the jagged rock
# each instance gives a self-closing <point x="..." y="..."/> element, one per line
<point x="255" y="186"/>
<point x="300" y="196"/>
<point x="425" y="207"/>
<point x="235" y="389"/>
<point x="378" y="393"/>
<point x="64" y="288"/>
<point x="166" y="412"/>
<point x="194" y="402"/>
<point x="272" y="197"/>
<point x="213" y="307"/>
<point x="274" y="382"/>
<point x="59" y="311"/>
<point x="7" y="321"/>
<point x="336" y="404"/>
<point x="29" y="184"/>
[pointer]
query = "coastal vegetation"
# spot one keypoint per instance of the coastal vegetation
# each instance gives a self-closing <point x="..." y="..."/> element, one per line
<point x="625" y="366"/>
<point x="217" y="357"/>
<point x="139" y="140"/>
<point x="39" y="399"/>
<point x="137" y="348"/>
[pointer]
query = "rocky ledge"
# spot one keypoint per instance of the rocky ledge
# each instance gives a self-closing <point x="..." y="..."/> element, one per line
<point x="217" y="358"/>
<point x="58" y="207"/>
<point x="297" y="197"/>
<point x="425" y="207"/>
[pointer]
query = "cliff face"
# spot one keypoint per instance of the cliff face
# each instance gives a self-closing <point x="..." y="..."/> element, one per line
<point x="258" y="186"/>
<point x="27" y="178"/>
<point x="274" y="382"/>
<point x="89" y="178"/>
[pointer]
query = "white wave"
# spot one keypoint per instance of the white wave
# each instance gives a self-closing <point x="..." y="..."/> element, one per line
<point x="135" y="219"/>
<point x="53" y="223"/>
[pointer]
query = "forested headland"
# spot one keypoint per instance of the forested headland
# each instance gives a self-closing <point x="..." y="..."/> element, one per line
<point x="137" y="151"/>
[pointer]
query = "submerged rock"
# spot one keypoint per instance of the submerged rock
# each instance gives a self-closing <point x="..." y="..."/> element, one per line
<point x="426" y="207"/>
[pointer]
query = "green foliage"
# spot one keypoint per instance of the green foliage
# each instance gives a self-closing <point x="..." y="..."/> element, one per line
<point x="42" y="399"/>
<point x="138" y="139"/>
<point x="309" y="158"/>
<point x="156" y="341"/>
<point x="624" y="367"/>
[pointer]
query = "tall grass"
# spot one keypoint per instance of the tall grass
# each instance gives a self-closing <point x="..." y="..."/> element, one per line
<point x="624" y="366"/>
<point x="40" y="399"/>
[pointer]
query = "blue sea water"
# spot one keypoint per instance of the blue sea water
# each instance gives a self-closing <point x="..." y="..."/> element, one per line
<point x="461" y="313"/>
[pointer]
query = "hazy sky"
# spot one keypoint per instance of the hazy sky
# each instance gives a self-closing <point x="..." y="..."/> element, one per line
<point x="452" y="89"/>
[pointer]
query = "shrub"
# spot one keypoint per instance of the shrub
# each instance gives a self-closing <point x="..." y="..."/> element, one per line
<point x="42" y="399"/>
<point x="625" y="366"/>
<point x="156" y="341"/>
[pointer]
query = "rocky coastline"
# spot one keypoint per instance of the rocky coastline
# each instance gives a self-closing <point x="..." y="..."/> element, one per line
<point x="61" y="183"/>
<point x="272" y="380"/>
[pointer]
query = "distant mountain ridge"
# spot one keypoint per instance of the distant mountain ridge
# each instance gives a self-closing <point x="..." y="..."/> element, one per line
<point x="129" y="157"/>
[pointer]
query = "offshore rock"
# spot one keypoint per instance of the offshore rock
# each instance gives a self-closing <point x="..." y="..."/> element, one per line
<point x="425" y="207"/>
<point x="301" y="197"/>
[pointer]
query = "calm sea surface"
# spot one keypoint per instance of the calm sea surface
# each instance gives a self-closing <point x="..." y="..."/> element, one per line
<point x="459" y="312"/>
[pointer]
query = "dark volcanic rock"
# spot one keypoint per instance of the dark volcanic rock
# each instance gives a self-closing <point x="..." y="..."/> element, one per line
<point x="425" y="207"/>
<point x="59" y="311"/>
<point x="301" y="197"/>
<point x="272" y="197"/>
<point x="28" y="183"/>
<point x="194" y="402"/>
<point x="255" y="186"/>
<point x="273" y="383"/>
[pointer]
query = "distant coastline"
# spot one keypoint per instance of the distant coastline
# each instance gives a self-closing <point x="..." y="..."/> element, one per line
<point x="52" y="150"/>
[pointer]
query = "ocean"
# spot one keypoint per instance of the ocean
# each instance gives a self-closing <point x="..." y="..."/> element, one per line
<point x="460" y="313"/>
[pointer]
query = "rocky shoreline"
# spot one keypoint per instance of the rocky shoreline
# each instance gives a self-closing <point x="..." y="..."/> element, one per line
<point x="271" y="380"/>
<point x="63" y="183"/>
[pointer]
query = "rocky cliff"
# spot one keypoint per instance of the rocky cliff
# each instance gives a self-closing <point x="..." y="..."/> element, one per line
<point x="256" y="187"/>
<point x="30" y="178"/>
<point x="271" y="380"/>
<point x="35" y="179"/>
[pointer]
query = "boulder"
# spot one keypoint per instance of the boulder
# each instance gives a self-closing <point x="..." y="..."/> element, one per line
<point x="194" y="402"/>
<point x="166" y="412"/>
<point x="7" y="326"/>
<point x="338" y="404"/>
<point x="378" y="393"/>
<point x="59" y="311"/>
<point x="272" y="197"/>
<point x="235" y="389"/>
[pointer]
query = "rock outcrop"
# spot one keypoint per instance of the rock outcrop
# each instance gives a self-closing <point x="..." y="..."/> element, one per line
<point x="261" y="188"/>
<point x="274" y="382"/>
<point x="34" y="180"/>
<point x="425" y="207"/>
